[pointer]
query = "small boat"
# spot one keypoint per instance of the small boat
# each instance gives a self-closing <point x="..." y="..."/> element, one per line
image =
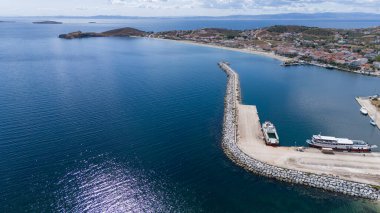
<point x="270" y="134"/>
<point x="364" y="111"/>
<point x="340" y="144"/>
<point x="372" y="122"/>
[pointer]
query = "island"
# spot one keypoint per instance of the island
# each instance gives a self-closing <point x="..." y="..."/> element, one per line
<point x="352" y="50"/>
<point x="47" y="22"/>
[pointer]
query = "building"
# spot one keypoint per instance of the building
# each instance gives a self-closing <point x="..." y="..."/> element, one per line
<point x="376" y="65"/>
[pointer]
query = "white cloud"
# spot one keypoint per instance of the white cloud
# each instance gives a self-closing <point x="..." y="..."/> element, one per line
<point x="182" y="7"/>
<point x="271" y="5"/>
<point x="157" y="4"/>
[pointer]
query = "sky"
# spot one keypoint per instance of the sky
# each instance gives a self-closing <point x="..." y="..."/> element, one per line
<point x="180" y="7"/>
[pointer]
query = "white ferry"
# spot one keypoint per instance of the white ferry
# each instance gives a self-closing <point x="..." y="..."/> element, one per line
<point x="270" y="134"/>
<point x="342" y="144"/>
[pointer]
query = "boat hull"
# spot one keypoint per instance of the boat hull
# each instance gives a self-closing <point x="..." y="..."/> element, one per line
<point x="341" y="149"/>
<point x="363" y="111"/>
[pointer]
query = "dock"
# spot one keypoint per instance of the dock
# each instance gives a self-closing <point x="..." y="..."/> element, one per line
<point x="372" y="111"/>
<point x="354" y="174"/>
<point x="358" y="167"/>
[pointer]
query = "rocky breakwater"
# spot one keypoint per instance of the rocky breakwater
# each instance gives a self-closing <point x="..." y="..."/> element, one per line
<point x="230" y="146"/>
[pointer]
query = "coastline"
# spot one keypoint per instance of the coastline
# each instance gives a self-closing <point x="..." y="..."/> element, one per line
<point x="249" y="51"/>
<point x="265" y="54"/>
<point x="234" y="147"/>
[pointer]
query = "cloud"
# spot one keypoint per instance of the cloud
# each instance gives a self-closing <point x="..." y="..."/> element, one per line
<point x="257" y="5"/>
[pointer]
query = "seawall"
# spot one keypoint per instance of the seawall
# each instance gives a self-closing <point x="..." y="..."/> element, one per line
<point x="230" y="146"/>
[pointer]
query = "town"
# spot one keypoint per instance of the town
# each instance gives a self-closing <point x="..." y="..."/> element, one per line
<point x="354" y="50"/>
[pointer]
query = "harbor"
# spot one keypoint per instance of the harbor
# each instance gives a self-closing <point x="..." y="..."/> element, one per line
<point x="354" y="174"/>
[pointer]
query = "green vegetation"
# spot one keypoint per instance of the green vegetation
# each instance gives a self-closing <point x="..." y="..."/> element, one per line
<point x="375" y="187"/>
<point x="319" y="32"/>
<point x="287" y="29"/>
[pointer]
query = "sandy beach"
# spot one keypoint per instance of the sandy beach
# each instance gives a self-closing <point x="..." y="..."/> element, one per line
<point x="264" y="53"/>
<point x="249" y="51"/>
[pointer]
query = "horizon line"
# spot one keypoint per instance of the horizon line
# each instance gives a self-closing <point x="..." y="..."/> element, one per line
<point x="191" y="16"/>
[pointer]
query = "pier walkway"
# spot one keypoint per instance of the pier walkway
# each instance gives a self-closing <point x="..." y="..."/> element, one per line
<point x="358" y="167"/>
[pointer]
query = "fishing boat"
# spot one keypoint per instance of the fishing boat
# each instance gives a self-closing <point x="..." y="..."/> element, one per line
<point x="364" y="111"/>
<point x="340" y="144"/>
<point x="270" y="134"/>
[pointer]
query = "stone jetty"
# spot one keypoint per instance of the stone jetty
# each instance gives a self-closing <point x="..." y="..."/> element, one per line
<point x="234" y="152"/>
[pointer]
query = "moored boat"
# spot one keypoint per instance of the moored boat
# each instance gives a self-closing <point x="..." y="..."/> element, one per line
<point x="364" y="111"/>
<point x="372" y="121"/>
<point x="341" y="144"/>
<point x="270" y="134"/>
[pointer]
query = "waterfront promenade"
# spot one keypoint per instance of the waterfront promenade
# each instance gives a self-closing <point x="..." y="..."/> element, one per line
<point x="353" y="174"/>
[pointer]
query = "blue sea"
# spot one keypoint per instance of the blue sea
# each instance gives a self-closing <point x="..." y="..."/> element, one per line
<point x="134" y="124"/>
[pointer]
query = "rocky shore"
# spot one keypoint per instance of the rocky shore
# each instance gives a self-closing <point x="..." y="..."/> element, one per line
<point x="230" y="147"/>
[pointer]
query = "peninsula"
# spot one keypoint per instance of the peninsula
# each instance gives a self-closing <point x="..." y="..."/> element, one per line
<point x="347" y="173"/>
<point x="353" y="50"/>
<point x="122" y="32"/>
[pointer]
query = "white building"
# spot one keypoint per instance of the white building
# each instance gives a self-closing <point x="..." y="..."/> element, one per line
<point x="376" y="65"/>
<point x="359" y="62"/>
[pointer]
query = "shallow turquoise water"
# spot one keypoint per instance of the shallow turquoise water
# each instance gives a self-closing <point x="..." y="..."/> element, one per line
<point x="118" y="124"/>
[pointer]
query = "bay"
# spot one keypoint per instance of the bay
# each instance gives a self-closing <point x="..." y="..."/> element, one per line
<point x="122" y="124"/>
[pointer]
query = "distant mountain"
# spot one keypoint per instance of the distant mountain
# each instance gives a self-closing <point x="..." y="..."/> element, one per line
<point x="290" y="16"/>
<point x="319" y="16"/>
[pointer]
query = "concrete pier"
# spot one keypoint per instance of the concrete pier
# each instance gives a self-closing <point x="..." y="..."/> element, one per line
<point x="346" y="173"/>
<point x="372" y="111"/>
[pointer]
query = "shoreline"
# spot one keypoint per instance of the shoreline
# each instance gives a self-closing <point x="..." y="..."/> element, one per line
<point x="234" y="147"/>
<point x="264" y="54"/>
<point x="248" y="51"/>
